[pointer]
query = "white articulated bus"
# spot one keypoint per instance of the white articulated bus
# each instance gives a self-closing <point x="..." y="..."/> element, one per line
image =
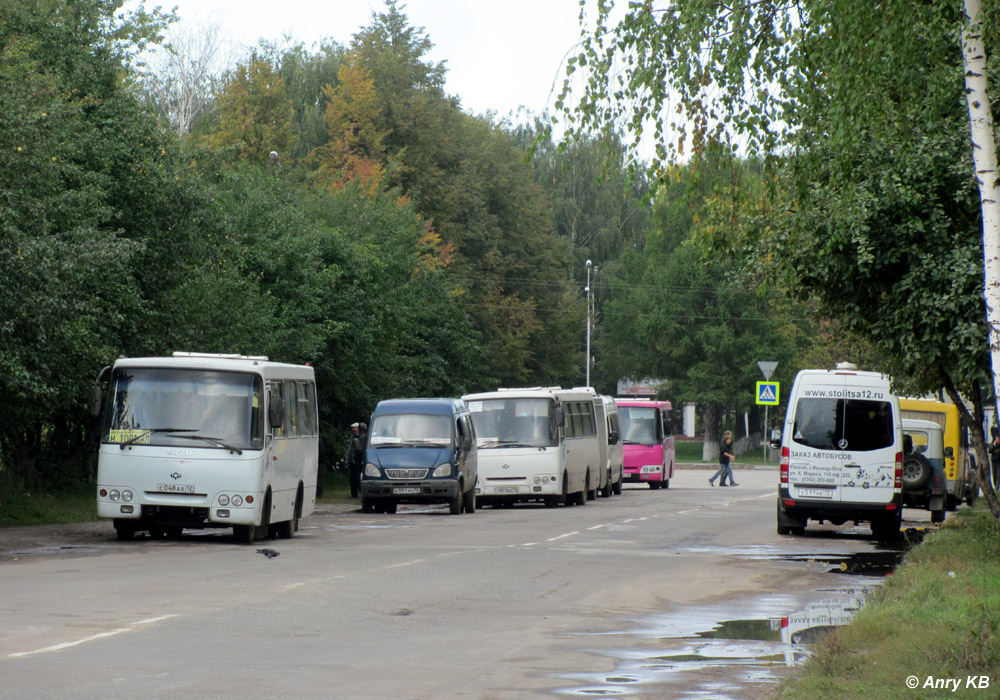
<point x="537" y="443"/>
<point x="198" y="440"/>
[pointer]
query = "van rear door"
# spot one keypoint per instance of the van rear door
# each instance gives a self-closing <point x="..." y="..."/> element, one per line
<point x="843" y="442"/>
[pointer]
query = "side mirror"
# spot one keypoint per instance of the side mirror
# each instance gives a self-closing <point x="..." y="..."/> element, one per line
<point x="560" y="417"/>
<point x="907" y="444"/>
<point x="94" y="401"/>
<point x="613" y="437"/>
<point x="775" y="439"/>
<point x="949" y="452"/>
<point x="276" y="412"/>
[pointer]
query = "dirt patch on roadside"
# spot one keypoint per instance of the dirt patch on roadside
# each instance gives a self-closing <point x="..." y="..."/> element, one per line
<point x="38" y="540"/>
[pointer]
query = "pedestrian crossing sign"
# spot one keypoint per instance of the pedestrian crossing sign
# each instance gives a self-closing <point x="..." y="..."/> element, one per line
<point x="768" y="393"/>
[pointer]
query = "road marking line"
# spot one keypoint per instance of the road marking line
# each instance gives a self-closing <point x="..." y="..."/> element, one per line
<point x="597" y="527"/>
<point x="529" y="544"/>
<point x="559" y="537"/>
<point x="406" y="563"/>
<point x="91" y="638"/>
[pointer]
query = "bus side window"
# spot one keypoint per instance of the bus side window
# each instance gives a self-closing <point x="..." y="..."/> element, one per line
<point x="291" y="409"/>
<point x="277" y="392"/>
<point x="668" y="430"/>
<point x="305" y="409"/>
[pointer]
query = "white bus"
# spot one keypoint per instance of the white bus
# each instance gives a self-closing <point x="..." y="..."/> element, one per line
<point x="537" y="443"/>
<point x="200" y="441"/>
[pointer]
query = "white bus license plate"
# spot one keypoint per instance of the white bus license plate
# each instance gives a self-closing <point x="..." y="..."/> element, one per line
<point x="175" y="488"/>
<point x="402" y="490"/>
<point x="814" y="493"/>
<point x="505" y="489"/>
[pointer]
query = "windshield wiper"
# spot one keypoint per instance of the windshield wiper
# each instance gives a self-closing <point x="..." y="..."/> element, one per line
<point x="149" y="431"/>
<point x="215" y="441"/>
<point x="512" y="443"/>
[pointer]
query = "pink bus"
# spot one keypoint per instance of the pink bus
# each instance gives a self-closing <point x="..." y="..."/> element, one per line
<point x="648" y="441"/>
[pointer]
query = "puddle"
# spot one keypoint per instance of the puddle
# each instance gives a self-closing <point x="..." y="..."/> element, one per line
<point x="722" y="650"/>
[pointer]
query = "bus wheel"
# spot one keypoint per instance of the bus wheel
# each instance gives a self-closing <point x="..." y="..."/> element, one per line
<point x="937" y="516"/>
<point x="157" y="533"/>
<point x="286" y="529"/>
<point x="390" y="507"/>
<point x="654" y="485"/>
<point x="665" y="484"/>
<point x="551" y="501"/>
<point x="245" y="533"/>
<point x="608" y="486"/>
<point x="124" y="530"/>
<point x="173" y="532"/>
<point x="590" y="494"/>
<point x="618" y="488"/>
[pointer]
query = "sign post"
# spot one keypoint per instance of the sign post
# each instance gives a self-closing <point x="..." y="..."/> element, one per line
<point x="765" y="397"/>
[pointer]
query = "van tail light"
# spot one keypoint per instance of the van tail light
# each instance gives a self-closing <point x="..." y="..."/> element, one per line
<point x="784" y="466"/>
<point x="899" y="471"/>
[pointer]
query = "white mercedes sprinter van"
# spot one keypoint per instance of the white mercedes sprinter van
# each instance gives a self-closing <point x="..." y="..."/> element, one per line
<point x="841" y="452"/>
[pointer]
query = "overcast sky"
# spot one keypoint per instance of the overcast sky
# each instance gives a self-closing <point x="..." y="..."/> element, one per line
<point x="499" y="55"/>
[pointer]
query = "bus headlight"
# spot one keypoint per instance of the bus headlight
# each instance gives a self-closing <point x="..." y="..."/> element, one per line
<point x="114" y="494"/>
<point x="223" y="500"/>
<point x="126" y="495"/>
<point x="238" y="500"/>
<point x="652" y="468"/>
<point x="373" y="471"/>
<point x="442" y="470"/>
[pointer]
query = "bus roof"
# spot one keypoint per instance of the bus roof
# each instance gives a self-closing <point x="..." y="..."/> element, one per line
<point x="666" y="405"/>
<point x="533" y="392"/>
<point x="226" y="363"/>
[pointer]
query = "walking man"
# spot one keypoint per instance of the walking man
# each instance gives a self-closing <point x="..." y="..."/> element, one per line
<point x="725" y="457"/>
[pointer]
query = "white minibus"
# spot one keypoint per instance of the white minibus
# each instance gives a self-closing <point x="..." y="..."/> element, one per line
<point x="537" y="443"/>
<point x="202" y="440"/>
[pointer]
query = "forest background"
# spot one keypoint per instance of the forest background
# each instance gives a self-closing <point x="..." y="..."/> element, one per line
<point x="332" y="205"/>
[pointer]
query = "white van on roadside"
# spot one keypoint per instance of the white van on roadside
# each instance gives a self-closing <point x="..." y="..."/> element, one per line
<point x="841" y="452"/>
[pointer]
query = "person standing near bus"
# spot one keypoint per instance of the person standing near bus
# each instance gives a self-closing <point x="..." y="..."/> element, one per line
<point x="725" y="457"/>
<point x="355" y="449"/>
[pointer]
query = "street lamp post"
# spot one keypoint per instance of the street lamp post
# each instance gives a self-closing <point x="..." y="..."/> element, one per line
<point x="587" y="291"/>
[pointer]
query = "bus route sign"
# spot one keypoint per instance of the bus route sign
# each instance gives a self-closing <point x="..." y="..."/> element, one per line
<point x="768" y="393"/>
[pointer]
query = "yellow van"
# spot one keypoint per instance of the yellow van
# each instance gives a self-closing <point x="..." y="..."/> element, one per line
<point x="959" y="464"/>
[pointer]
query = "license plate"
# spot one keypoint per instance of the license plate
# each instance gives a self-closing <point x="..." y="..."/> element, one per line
<point x="505" y="489"/>
<point x="175" y="488"/>
<point x="403" y="490"/>
<point x="814" y="493"/>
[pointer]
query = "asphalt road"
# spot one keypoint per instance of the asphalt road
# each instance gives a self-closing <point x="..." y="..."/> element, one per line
<point x="615" y="598"/>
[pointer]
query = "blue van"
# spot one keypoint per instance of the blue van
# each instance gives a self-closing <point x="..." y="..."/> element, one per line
<point x="420" y="451"/>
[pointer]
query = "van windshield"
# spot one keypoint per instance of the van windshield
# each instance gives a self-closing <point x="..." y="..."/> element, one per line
<point x="843" y="424"/>
<point x="409" y="429"/>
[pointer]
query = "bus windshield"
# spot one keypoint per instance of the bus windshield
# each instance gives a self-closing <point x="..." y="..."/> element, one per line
<point x="843" y="424"/>
<point x="640" y="425"/>
<point x="514" y="422"/>
<point x="190" y="407"/>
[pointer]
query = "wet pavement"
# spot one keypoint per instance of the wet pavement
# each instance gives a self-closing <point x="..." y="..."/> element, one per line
<point x="739" y="650"/>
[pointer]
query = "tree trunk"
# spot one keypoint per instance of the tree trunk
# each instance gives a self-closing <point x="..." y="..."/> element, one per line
<point x="984" y="156"/>
<point x="710" y="447"/>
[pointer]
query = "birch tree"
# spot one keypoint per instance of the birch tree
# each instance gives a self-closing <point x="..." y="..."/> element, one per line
<point x="845" y="104"/>
<point x="984" y="156"/>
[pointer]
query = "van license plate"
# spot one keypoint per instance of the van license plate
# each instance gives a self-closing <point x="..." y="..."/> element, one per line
<point x="814" y="493"/>
<point x="402" y="490"/>
<point x="505" y="489"/>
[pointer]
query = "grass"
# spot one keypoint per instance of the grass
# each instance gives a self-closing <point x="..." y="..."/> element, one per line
<point x="937" y="617"/>
<point x="21" y="507"/>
